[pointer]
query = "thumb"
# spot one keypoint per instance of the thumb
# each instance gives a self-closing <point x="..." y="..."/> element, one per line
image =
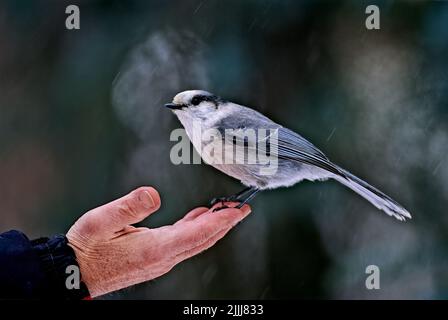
<point x="114" y="216"/>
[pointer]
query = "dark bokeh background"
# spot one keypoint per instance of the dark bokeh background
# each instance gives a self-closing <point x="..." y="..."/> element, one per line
<point x="81" y="123"/>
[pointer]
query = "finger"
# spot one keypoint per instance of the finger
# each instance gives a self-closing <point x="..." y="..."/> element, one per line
<point x="191" y="234"/>
<point x="195" y="251"/>
<point x="193" y="214"/>
<point x="224" y="204"/>
<point x="116" y="215"/>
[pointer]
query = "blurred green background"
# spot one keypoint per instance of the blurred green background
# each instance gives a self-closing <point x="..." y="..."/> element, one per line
<point x="82" y="122"/>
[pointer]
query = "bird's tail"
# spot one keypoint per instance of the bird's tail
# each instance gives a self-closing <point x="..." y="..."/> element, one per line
<point x="373" y="195"/>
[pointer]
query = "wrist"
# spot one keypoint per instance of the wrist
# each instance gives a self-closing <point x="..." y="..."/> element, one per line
<point x="55" y="256"/>
<point x="86" y="265"/>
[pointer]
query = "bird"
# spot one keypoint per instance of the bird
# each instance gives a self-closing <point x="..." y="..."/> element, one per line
<point x="297" y="158"/>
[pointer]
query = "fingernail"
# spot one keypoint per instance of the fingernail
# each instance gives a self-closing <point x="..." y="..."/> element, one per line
<point x="146" y="199"/>
<point x="246" y="209"/>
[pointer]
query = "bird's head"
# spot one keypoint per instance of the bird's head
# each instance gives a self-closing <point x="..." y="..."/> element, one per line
<point x="196" y="104"/>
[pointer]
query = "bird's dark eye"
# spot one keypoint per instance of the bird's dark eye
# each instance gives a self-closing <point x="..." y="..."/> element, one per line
<point x="197" y="100"/>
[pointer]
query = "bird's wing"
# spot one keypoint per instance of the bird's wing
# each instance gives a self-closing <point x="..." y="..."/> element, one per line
<point x="280" y="141"/>
<point x="291" y="146"/>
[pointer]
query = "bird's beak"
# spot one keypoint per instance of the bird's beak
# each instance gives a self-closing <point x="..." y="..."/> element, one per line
<point x="175" y="106"/>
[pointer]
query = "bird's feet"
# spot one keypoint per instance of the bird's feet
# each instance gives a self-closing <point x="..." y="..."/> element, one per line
<point x="222" y="200"/>
<point x="220" y="208"/>
<point x="242" y="197"/>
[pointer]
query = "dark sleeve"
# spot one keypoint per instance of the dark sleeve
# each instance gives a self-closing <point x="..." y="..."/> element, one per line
<point x="36" y="269"/>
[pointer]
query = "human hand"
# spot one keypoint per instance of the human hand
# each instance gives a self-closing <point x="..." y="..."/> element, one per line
<point x="113" y="255"/>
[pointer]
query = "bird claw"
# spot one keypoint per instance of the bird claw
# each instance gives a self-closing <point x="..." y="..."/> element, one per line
<point x="216" y="200"/>
<point x="220" y="208"/>
<point x="222" y="200"/>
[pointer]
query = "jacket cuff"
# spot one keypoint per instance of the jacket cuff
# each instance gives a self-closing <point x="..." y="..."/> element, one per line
<point x="55" y="256"/>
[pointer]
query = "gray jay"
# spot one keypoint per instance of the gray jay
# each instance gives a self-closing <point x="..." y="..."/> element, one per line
<point x="297" y="158"/>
